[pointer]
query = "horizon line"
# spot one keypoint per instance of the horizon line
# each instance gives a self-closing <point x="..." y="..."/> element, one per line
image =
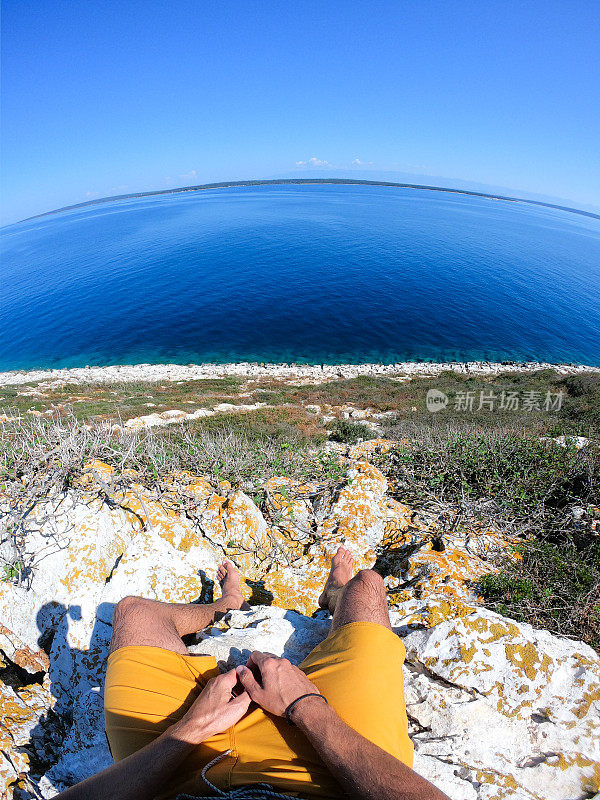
<point x="300" y="181"/>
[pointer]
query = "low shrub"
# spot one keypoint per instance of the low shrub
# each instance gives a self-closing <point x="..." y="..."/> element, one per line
<point x="553" y="586"/>
<point x="528" y="488"/>
<point x="342" y="430"/>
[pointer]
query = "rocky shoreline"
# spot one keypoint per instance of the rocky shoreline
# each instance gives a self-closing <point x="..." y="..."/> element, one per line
<point x="308" y="372"/>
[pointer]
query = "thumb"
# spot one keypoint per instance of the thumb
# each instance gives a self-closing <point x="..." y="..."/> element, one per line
<point x="249" y="682"/>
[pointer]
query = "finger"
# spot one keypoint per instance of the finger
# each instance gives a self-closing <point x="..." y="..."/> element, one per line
<point x="227" y="680"/>
<point x="249" y="682"/>
<point x="258" y="659"/>
<point x="241" y="703"/>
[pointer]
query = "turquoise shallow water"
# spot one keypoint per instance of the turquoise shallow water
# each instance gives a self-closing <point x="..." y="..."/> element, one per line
<point x="324" y="273"/>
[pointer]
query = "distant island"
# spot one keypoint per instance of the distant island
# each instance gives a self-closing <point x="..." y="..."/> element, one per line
<point x="303" y="181"/>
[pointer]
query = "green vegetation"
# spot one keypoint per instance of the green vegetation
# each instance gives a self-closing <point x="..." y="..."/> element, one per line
<point x="121" y="401"/>
<point x="342" y="430"/>
<point x="486" y="463"/>
<point x="539" y="491"/>
<point x="12" y="571"/>
<point x="524" y="476"/>
<point x="554" y="586"/>
<point x="402" y="400"/>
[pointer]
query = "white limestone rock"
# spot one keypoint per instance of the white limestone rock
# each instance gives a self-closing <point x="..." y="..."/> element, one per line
<point x="473" y="741"/>
<point x="497" y="709"/>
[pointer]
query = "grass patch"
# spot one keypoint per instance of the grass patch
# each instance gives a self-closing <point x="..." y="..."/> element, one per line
<point x="483" y="403"/>
<point x="579" y="414"/>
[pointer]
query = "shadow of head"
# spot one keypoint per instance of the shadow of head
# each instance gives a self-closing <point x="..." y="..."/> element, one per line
<point x="48" y="619"/>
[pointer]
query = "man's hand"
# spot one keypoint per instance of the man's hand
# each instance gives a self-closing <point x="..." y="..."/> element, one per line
<point x="213" y="711"/>
<point x="279" y="682"/>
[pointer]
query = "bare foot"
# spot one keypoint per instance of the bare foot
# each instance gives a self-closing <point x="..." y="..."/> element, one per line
<point x="229" y="580"/>
<point x="340" y="573"/>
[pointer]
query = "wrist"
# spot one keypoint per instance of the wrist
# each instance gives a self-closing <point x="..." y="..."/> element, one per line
<point x="190" y="731"/>
<point x="308" y="711"/>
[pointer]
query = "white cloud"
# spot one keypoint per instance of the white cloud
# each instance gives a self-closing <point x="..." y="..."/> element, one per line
<point x="356" y="162"/>
<point x="89" y="195"/>
<point x="189" y="176"/>
<point x="313" y="162"/>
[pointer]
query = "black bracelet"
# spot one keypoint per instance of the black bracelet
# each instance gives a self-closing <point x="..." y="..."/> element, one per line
<point x="297" y="700"/>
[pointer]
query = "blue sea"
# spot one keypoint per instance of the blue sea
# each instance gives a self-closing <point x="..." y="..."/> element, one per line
<point x="301" y="273"/>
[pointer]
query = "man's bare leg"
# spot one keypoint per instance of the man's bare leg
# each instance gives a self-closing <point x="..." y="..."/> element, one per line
<point x="361" y="598"/>
<point x="138" y="621"/>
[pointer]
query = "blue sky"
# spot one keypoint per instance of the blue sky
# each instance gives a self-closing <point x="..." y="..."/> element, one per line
<point x="104" y="97"/>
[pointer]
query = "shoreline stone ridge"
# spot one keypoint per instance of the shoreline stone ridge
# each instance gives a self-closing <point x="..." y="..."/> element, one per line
<point x="179" y="372"/>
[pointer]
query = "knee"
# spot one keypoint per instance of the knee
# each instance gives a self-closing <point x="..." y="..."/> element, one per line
<point x="127" y="607"/>
<point x="370" y="581"/>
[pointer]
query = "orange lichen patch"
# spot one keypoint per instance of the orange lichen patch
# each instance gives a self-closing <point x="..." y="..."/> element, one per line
<point x="449" y="572"/>
<point x="351" y="525"/>
<point x="588" y="697"/>
<point x="526" y="659"/>
<point x="152" y="513"/>
<point x="467" y="653"/>
<point x="366" y="449"/>
<point x="496" y="630"/>
<point x="19" y="714"/>
<point x="30" y="660"/>
<point x="183" y="590"/>
<point x="591" y="783"/>
<point x="563" y="762"/>
<point x="444" y="610"/>
<point x="94" y="470"/>
<point x="506" y="705"/>
<point x="300" y="588"/>
<point x="504" y="785"/>
<point x="356" y="512"/>
<point x="21" y="654"/>
<point x="398" y="519"/>
<point x="87" y="564"/>
<point x="282" y="489"/>
<point x="289" y="504"/>
<point x="199" y="486"/>
<point x="367" y="478"/>
<point x="591" y="694"/>
<point x="300" y="592"/>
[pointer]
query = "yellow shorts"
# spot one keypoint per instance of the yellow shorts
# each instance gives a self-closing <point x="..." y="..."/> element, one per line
<point x="358" y="668"/>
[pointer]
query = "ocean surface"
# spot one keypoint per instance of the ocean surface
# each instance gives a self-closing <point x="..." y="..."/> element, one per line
<point x="305" y="273"/>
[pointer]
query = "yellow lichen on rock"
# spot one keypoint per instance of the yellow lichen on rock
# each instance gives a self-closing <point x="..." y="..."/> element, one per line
<point x="20" y="712"/>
